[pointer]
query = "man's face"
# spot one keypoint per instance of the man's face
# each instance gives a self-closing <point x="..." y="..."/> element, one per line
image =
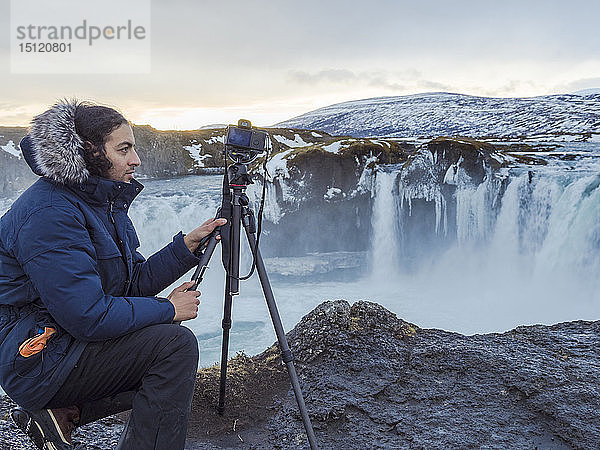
<point x="120" y="150"/>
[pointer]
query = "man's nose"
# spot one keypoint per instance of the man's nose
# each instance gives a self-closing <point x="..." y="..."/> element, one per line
<point x="135" y="159"/>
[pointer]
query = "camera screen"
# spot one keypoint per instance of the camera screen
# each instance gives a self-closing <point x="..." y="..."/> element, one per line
<point x="239" y="137"/>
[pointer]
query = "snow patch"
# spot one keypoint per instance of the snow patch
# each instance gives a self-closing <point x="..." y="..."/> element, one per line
<point x="334" y="147"/>
<point x="333" y="193"/>
<point x="297" y="142"/>
<point x="366" y="180"/>
<point x="382" y="143"/>
<point x="277" y="165"/>
<point x="215" y="139"/>
<point x="194" y="151"/>
<point x="10" y="148"/>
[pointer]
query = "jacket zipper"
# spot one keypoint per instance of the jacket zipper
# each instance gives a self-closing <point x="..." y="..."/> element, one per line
<point x="120" y="245"/>
<point x="110" y="213"/>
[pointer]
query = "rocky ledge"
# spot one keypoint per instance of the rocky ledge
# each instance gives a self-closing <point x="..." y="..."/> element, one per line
<point x="372" y="380"/>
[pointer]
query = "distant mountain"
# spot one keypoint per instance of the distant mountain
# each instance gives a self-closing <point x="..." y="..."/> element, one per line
<point x="587" y="91"/>
<point x="213" y="126"/>
<point x="445" y="114"/>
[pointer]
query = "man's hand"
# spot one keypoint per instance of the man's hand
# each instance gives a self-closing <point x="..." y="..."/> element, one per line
<point x="193" y="238"/>
<point x="185" y="302"/>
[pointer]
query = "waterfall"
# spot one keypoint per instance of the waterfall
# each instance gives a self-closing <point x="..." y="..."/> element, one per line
<point x="384" y="250"/>
<point x="549" y="227"/>
<point x="475" y="210"/>
<point x="531" y="250"/>
<point x="572" y="241"/>
<point x="167" y="206"/>
<point x="272" y="209"/>
<point x="540" y="224"/>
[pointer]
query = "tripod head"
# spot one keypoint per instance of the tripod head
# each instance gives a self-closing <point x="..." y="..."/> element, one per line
<point x="238" y="176"/>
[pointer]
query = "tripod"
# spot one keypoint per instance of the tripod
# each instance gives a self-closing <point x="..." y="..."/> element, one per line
<point x="235" y="209"/>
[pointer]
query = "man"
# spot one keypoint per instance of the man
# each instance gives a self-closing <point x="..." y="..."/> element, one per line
<point x="82" y="333"/>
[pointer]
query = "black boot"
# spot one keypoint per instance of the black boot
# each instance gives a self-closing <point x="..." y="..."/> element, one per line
<point x="49" y="429"/>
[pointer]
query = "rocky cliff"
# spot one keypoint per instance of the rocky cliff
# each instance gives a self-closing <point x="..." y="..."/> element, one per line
<point x="163" y="154"/>
<point x="372" y="380"/>
<point x="331" y="186"/>
<point x="323" y="185"/>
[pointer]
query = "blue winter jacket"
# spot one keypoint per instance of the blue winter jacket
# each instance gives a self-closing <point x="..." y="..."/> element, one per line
<point x="69" y="260"/>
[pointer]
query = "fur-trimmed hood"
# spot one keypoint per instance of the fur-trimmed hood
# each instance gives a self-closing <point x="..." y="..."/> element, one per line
<point x="53" y="148"/>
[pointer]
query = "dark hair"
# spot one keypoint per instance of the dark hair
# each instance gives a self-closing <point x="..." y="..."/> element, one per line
<point x="93" y="123"/>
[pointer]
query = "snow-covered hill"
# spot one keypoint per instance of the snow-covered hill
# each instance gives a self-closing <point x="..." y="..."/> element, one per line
<point x="444" y="114"/>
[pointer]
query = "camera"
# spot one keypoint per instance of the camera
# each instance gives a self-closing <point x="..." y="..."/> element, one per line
<point x="244" y="143"/>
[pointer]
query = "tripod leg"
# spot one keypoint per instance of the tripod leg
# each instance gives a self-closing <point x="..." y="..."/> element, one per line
<point x="286" y="353"/>
<point x="205" y="257"/>
<point x="231" y="288"/>
<point x="226" y="324"/>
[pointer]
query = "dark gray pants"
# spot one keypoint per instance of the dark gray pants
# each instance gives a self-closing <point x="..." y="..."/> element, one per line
<point x="151" y="371"/>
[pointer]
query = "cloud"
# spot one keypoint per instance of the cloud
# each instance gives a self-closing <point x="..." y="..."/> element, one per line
<point x="434" y="85"/>
<point x="380" y="81"/>
<point x="511" y="88"/>
<point x="15" y="114"/>
<point x="397" y="82"/>
<point x="328" y="75"/>
<point x="377" y="79"/>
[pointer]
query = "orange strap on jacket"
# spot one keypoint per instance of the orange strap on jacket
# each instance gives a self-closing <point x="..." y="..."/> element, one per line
<point x="36" y="344"/>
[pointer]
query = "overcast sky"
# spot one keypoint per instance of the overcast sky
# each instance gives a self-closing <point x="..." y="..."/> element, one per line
<point x="269" y="60"/>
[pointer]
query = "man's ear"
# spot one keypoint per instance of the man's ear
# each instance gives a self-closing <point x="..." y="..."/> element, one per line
<point x="87" y="145"/>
